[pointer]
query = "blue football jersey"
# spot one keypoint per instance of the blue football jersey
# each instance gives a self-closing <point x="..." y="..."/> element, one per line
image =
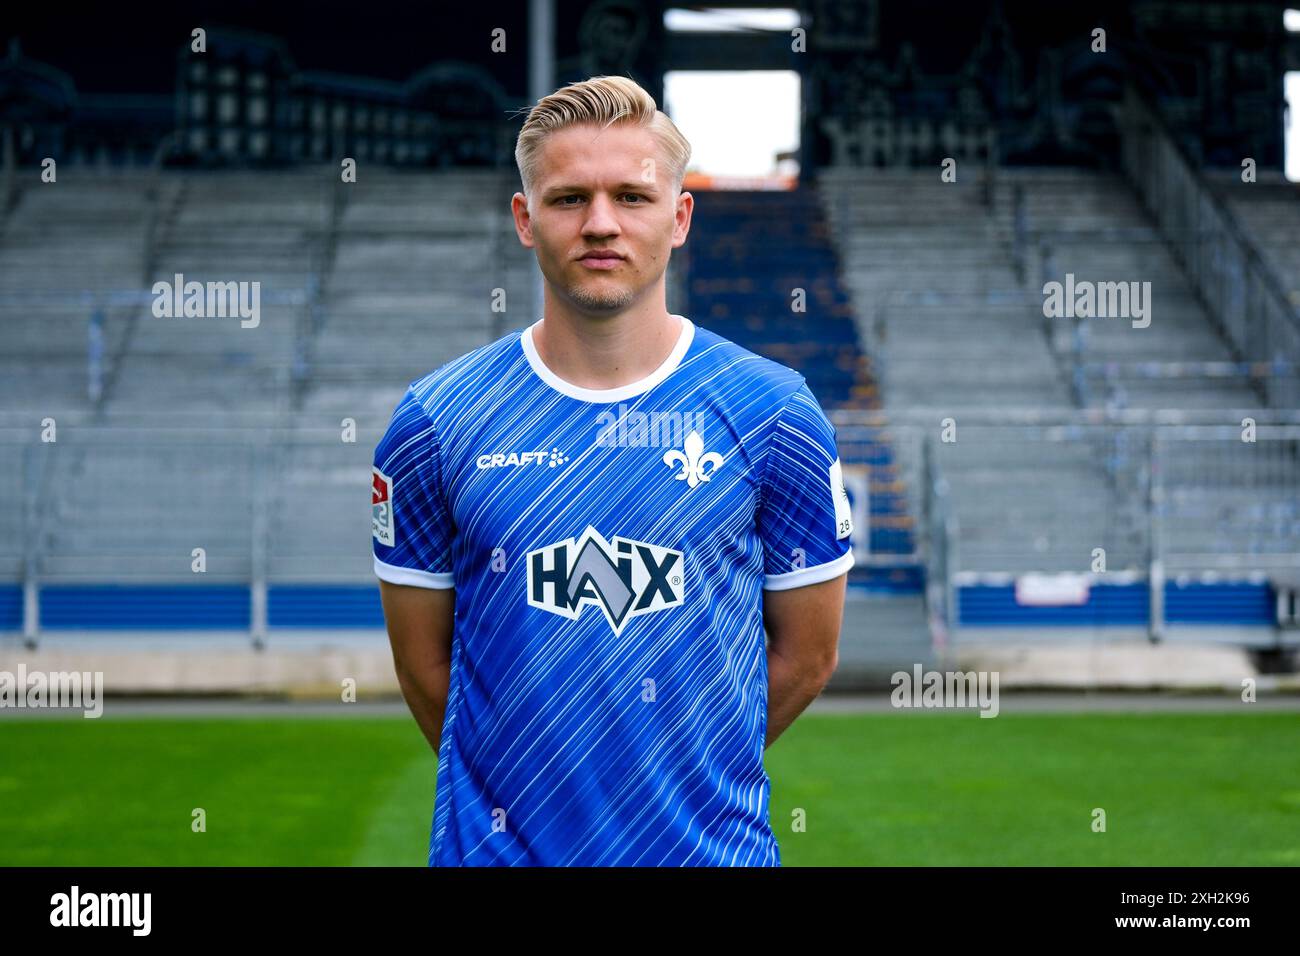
<point x="609" y="549"/>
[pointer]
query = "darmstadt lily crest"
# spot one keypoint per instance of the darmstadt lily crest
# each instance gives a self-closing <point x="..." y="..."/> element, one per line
<point x="697" y="464"/>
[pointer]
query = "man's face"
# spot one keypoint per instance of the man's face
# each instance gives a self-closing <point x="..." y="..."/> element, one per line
<point x="602" y="190"/>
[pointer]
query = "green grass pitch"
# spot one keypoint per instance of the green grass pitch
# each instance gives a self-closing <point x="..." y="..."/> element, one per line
<point x="1187" y="789"/>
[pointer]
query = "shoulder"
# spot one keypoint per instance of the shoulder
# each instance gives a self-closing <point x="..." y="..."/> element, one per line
<point x="428" y="408"/>
<point x="758" y="382"/>
<point x="448" y="388"/>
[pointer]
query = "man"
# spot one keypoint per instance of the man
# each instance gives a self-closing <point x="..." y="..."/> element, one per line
<point x="582" y="530"/>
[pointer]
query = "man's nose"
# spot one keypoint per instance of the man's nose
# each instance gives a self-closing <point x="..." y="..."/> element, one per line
<point x="601" y="220"/>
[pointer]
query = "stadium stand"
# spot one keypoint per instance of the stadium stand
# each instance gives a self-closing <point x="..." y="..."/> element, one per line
<point x="963" y="347"/>
<point x="1042" y="468"/>
<point x="266" y="228"/>
<point x="64" y="249"/>
<point x="1269" y="211"/>
<point x="977" y="345"/>
<point x="1091" y="225"/>
<point x="765" y="270"/>
<point x="417" y="259"/>
<point x="763" y="274"/>
<point x="235" y="440"/>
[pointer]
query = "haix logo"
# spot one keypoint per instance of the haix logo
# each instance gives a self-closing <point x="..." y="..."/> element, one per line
<point x="696" y="465"/>
<point x="624" y="578"/>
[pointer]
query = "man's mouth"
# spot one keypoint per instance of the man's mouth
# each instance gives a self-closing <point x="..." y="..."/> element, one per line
<point x="600" y="262"/>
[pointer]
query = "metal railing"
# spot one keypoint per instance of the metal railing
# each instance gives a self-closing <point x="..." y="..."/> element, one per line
<point x="95" y="305"/>
<point x="1236" y="285"/>
<point x="1167" y="492"/>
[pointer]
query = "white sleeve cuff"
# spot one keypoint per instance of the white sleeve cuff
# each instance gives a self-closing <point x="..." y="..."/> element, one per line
<point x="805" y="576"/>
<point x="420" y="579"/>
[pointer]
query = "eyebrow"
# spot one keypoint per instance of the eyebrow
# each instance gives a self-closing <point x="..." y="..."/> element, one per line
<point x="621" y="187"/>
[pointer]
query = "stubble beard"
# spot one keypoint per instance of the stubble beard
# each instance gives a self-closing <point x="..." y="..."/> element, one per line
<point x="601" y="300"/>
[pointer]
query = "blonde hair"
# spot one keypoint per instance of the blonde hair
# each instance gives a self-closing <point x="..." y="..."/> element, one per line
<point x="602" y="100"/>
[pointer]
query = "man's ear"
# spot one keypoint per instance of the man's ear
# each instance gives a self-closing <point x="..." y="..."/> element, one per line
<point x="523" y="220"/>
<point x="682" y="222"/>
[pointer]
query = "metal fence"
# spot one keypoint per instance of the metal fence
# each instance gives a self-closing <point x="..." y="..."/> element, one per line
<point x="1224" y="268"/>
<point x="104" y="307"/>
<point x="1015" y="492"/>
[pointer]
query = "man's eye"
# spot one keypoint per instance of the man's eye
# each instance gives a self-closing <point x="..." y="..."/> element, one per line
<point x="562" y="199"/>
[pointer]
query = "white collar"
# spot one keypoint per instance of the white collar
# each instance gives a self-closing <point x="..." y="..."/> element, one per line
<point x="609" y="394"/>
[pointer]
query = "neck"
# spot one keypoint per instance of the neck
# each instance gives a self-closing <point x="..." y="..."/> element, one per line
<point x="605" y="352"/>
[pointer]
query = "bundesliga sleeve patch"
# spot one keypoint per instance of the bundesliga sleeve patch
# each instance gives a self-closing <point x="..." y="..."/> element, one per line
<point x="381" y="507"/>
<point x="843" y="513"/>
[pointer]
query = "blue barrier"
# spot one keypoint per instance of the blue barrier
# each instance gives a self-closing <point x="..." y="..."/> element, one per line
<point x="985" y="605"/>
<point x="1240" y="604"/>
<point x="228" y="607"/>
<point x="322" y="605"/>
<point x="1229" y="603"/>
<point x="145" y="607"/>
<point x="11" y="607"/>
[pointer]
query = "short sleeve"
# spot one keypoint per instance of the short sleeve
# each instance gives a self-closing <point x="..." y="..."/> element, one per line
<point x="804" y="517"/>
<point x="410" y="521"/>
